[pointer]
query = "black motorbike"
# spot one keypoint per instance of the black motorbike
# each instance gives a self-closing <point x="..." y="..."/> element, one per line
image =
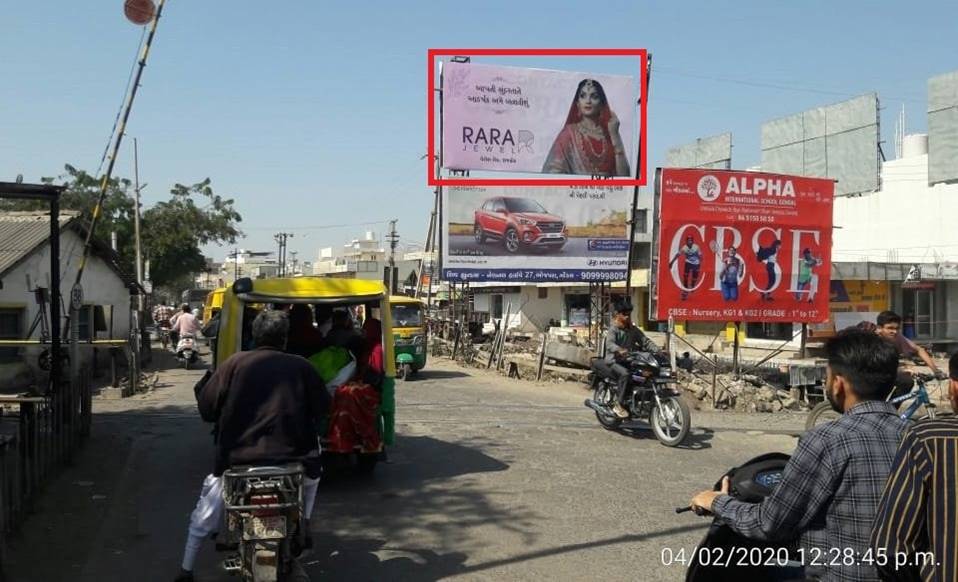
<point x="725" y="556"/>
<point x="652" y="397"/>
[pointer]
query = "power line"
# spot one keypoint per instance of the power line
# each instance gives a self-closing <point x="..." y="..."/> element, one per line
<point x="317" y="227"/>
<point x="774" y="85"/>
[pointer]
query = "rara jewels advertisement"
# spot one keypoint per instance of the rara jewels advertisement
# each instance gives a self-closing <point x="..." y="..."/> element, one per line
<point x="534" y="120"/>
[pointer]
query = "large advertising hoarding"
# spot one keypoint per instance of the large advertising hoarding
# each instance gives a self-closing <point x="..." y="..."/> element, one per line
<point x="943" y="128"/>
<point x="704" y="152"/>
<point x="533" y="120"/>
<point x="522" y="234"/>
<point x="743" y="246"/>
<point x="838" y="141"/>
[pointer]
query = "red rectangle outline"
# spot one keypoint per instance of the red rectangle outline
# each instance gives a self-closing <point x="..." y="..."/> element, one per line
<point x="433" y="180"/>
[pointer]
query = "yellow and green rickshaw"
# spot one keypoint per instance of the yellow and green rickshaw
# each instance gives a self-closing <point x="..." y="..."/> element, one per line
<point x="409" y="332"/>
<point x="213" y="303"/>
<point x="246" y="297"/>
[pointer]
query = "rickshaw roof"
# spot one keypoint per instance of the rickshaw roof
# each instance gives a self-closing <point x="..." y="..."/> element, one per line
<point x="404" y="299"/>
<point x="306" y="289"/>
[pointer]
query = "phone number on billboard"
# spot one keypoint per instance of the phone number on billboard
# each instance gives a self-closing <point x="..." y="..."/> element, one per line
<point x="601" y="276"/>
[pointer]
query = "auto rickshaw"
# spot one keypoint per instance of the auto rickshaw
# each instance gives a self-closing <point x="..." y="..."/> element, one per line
<point x="409" y="328"/>
<point x="213" y="303"/>
<point x="242" y="301"/>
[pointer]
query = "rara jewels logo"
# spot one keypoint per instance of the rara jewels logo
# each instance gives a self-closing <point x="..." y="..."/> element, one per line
<point x="709" y="188"/>
<point x="496" y="140"/>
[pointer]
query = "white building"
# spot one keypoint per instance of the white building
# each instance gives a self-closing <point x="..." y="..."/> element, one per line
<point x="25" y="266"/>
<point x="905" y="227"/>
<point x="363" y="259"/>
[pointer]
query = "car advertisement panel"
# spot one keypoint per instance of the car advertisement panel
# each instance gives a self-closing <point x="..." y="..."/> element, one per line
<point x="534" y="120"/>
<point x="521" y="234"/>
<point x="743" y="246"/>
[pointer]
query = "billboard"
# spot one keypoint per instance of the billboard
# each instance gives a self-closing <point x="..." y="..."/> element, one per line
<point x="535" y="234"/>
<point x="943" y="128"/>
<point x="705" y="152"/>
<point x="743" y="246"/>
<point x="534" y="120"/>
<point x="839" y="141"/>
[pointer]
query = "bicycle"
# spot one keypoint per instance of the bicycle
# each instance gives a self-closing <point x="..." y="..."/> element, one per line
<point x="823" y="412"/>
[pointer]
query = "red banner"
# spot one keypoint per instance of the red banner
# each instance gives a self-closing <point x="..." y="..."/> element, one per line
<point x="743" y="246"/>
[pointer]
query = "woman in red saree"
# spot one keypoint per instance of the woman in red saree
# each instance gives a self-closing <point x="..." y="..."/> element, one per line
<point x="354" y="422"/>
<point x="590" y="143"/>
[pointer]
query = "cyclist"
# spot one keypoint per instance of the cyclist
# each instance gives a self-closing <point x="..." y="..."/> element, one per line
<point x="888" y="326"/>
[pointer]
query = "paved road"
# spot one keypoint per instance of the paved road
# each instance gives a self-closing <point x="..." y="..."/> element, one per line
<point x="466" y="245"/>
<point x="491" y="479"/>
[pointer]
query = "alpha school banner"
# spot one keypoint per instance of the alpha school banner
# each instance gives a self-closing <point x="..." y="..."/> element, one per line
<point x="533" y="120"/>
<point x="522" y="234"/>
<point x="743" y="246"/>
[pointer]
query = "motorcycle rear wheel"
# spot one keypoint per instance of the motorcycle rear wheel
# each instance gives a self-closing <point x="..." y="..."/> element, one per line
<point x="604" y="396"/>
<point x="674" y="433"/>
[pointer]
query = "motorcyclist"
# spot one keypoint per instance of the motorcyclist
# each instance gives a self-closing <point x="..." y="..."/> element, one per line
<point x="266" y="405"/>
<point x="161" y="317"/>
<point x="623" y="339"/>
<point x="184" y="324"/>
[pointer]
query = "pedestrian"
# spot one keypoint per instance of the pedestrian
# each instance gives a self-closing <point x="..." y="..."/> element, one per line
<point x="830" y="489"/>
<point x="917" y="517"/>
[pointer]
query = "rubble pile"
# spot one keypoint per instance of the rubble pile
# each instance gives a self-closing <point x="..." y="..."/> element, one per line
<point x="747" y="393"/>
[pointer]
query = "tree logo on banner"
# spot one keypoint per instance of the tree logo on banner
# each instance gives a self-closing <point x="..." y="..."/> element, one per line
<point x="709" y="188"/>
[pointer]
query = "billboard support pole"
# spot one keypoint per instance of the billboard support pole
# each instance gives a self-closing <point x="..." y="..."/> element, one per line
<point x="803" y="351"/>
<point x="635" y="193"/>
<point x="735" y="350"/>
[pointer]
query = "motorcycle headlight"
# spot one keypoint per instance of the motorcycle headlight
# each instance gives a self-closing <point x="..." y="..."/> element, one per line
<point x="416" y="340"/>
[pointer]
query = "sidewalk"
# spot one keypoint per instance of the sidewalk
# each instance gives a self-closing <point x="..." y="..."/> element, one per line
<point x="120" y="510"/>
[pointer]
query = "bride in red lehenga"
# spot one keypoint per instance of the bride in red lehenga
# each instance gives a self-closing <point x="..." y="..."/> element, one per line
<point x="353" y="421"/>
<point x="590" y="143"/>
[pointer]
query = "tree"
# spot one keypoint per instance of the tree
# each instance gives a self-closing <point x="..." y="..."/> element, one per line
<point x="172" y="231"/>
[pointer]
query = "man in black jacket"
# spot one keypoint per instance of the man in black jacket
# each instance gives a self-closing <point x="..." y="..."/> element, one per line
<point x="265" y="404"/>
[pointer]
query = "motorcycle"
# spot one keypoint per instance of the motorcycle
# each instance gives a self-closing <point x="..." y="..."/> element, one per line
<point x="186" y="351"/>
<point x="713" y="559"/>
<point x="651" y="398"/>
<point x="265" y="522"/>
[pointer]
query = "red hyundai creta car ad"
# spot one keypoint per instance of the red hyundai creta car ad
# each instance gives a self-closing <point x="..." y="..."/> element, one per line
<point x="520" y="223"/>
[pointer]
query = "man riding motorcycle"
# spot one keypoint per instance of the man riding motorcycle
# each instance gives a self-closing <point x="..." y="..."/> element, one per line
<point x="266" y="405"/>
<point x="622" y="339"/>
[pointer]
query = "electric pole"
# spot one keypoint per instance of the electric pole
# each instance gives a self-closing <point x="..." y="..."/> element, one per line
<point x="281" y="239"/>
<point x="393" y="238"/>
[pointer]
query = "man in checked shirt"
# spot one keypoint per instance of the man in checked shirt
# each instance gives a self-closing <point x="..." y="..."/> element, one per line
<point x="829" y="493"/>
<point x="917" y="523"/>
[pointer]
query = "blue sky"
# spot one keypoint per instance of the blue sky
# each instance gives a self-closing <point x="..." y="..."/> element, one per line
<point x="313" y="113"/>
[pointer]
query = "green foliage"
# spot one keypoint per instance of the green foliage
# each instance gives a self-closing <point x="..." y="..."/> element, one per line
<point x="172" y="231"/>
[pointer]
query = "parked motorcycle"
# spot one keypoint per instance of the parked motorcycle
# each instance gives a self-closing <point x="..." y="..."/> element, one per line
<point x="186" y="351"/>
<point x="710" y="561"/>
<point x="265" y="522"/>
<point x="652" y="397"/>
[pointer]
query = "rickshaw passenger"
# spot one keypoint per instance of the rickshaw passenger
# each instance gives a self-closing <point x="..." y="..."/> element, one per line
<point x="343" y="334"/>
<point x="304" y="339"/>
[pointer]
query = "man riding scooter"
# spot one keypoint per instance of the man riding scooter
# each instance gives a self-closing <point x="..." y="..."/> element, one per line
<point x="622" y="339"/>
